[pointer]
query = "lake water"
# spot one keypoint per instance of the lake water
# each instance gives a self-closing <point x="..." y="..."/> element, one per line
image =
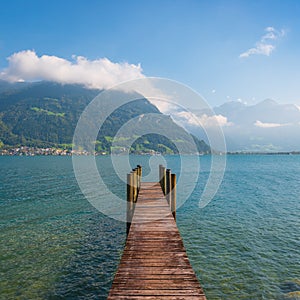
<point x="245" y="244"/>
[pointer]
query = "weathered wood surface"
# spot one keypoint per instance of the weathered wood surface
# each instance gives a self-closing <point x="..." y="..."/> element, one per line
<point x="154" y="264"/>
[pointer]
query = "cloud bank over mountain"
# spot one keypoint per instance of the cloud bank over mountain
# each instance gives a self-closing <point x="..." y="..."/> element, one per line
<point x="100" y="73"/>
<point x="266" y="126"/>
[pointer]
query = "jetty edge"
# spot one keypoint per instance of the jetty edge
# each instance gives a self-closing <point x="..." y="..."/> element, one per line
<point x="154" y="264"/>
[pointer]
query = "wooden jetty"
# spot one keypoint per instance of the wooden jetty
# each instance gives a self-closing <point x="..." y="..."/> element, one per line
<point x="154" y="264"/>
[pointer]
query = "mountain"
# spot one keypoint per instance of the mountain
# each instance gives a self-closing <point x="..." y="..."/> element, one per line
<point x="266" y="126"/>
<point x="45" y="114"/>
<point x="41" y="114"/>
<point x="267" y="111"/>
<point x="6" y="86"/>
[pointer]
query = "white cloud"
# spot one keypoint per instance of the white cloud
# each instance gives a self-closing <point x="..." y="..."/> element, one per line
<point x="268" y="125"/>
<point x="187" y="117"/>
<point x="213" y="121"/>
<point x="240" y="100"/>
<point x="100" y="73"/>
<point x="204" y="120"/>
<point x="266" y="44"/>
<point x="270" y="35"/>
<point x="261" y="48"/>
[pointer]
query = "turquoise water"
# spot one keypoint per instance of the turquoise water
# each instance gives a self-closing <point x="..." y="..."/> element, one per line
<point x="244" y="245"/>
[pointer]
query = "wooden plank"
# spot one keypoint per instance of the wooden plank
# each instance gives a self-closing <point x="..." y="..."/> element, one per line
<point x="154" y="264"/>
<point x="133" y="297"/>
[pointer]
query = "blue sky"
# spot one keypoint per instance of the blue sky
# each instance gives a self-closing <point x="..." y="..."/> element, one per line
<point x="198" y="43"/>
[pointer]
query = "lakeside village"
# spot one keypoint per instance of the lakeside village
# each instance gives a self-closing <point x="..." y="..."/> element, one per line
<point x="32" y="151"/>
<point x="35" y="151"/>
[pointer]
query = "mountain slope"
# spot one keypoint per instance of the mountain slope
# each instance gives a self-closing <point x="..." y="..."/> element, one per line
<point x="45" y="114"/>
<point x="42" y="114"/>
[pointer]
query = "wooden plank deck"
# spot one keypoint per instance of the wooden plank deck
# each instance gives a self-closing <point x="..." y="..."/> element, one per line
<point x="154" y="264"/>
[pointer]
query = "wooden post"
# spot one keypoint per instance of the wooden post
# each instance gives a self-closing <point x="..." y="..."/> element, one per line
<point x="164" y="184"/>
<point x="137" y="177"/>
<point x="134" y="184"/>
<point x="129" y="201"/>
<point x="173" y="195"/>
<point x="160" y="174"/>
<point x="139" y="173"/>
<point x="168" y="186"/>
<point x="137" y="182"/>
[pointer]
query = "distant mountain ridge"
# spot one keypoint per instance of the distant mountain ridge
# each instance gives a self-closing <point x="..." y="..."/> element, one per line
<point x="45" y="114"/>
<point x="266" y="111"/>
<point x="267" y="126"/>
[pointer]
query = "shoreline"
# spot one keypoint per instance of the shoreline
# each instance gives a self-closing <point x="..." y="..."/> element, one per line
<point x="67" y="152"/>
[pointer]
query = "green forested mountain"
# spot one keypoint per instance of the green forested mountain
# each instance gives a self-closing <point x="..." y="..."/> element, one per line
<point x="41" y="114"/>
<point x="45" y="114"/>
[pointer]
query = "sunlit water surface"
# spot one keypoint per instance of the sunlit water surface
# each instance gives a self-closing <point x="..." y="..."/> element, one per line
<point x="245" y="244"/>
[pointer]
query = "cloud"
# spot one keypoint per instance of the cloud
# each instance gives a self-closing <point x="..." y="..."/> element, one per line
<point x="266" y="44"/>
<point x="204" y="120"/>
<point x="187" y="117"/>
<point x="261" y="48"/>
<point x="268" y="125"/>
<point x="100" y="73"/>
<point x="213" y="121"/>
